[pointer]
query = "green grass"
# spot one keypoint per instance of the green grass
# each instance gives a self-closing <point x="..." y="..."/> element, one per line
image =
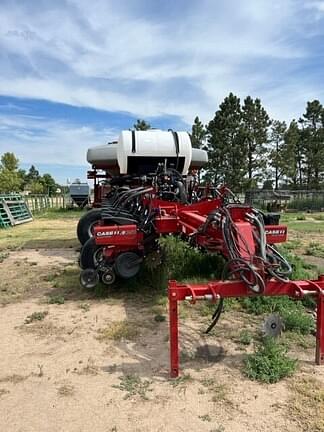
<point x="120" y="330"/>
<point x="303" y="221"/>
<point x="219" y="392"/>
<point x="300" y="269"/>
<point x="36" y="316"/>
<point x="3" y="256"/>
<point x="293" y="313"/>
<point x="287" y="217"/>
<point x="206" y="308"/>
<point x="66" y="390"/>
<point x="269" y="363"/>
<point x="292" y="339"/>
<point x="60" y="213"/>
<point x="290" y="245"/>
<point x="301" y="217"/>
<point x="54" y="228"/>
<point x="65" y="277"/>
<point x="85" y="307"/>
<point x="315" y="249"/>
<point x="298" y="321"/>
<point x="181" y="381"/>
<point x="245" y="337"/>
<point x="294" y="216"/>
<point x="318" y="216"/>
<point x="183" y="262"/>
<point x="159" y="318"/>
<point x="40" y="233"/>
<point x="56" y="299"/>
<point x="261" y="305"/>
<point x="133" y="385"/>
<point x="205" y="418"/>
<point x="307" y="226"/>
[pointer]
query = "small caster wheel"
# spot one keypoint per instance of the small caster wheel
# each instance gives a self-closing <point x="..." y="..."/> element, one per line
<point x="89" y="278"/>
<point x="108" y="277"/>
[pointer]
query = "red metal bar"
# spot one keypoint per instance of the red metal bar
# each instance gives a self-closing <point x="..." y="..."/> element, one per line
<point x="174" y="332"/>
<point x="295" y="289"/>
<point x="237" y="288"/>
<point x="320" y="329"/>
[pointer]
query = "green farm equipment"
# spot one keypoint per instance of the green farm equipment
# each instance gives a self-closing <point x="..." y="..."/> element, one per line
<point x="13" y="210"/>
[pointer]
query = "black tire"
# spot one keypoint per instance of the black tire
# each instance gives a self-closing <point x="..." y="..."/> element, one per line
<point x="90" y="254"/>
<point x="127" y="265"/>
<point x="86" y="223"/>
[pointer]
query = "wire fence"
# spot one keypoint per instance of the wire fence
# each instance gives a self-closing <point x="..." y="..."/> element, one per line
<point x="39" y="203"/>
<point x="299" y="200"/>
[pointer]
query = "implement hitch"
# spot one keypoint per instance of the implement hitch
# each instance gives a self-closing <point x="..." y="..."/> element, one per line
<point x="216" y="290"/>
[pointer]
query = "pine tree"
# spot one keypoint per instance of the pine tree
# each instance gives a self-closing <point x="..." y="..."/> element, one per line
<point x="312" y="134"/>
<point x="142" y="125"/>
<point x="227" y="152"/>
<point x="256" y="122"/>
<point x="198" y="133"/>
<point x="277" y="139"/>
<point x="32" y="175"/>
<point x="292" y="156"/>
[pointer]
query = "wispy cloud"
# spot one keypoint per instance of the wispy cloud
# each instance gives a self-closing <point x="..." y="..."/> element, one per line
<point x="150" y="58"/>
<point x="137" y="59"/>
<point x="49" y="141"/>
<point x="317" y="5"/>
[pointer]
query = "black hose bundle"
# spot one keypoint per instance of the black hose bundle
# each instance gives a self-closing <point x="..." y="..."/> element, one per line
<point x="245" y="267"/>
<point x="238" y="266"/>
<point x="276" y="265"/>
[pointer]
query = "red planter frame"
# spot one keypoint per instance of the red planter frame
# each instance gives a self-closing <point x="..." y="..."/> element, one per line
<point x="215" y="290"/>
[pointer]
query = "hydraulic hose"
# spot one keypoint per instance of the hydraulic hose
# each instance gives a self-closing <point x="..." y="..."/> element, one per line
<point x="216" y="315"/>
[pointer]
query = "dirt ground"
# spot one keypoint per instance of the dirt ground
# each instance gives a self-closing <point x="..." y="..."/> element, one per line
<point x="73" y="361"/>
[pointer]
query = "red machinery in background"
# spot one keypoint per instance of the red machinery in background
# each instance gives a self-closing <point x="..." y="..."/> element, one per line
<point x="101" y="185"/>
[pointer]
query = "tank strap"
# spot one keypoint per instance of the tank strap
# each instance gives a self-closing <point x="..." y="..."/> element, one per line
<point x="176" y="141"/>
<point x="133" y="142"/>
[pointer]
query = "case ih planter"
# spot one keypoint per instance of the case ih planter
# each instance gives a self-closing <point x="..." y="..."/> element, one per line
<point x="141" y="208"/>
<point x="126" y="163"/>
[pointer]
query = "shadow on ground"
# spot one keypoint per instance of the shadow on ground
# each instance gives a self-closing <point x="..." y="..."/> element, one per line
<point x="148" y="354"/>
<point x="51" y="244"/>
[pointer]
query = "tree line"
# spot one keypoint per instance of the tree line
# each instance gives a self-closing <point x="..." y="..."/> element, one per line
<point x="13" y="179"/>
<point x="247" y="149"/>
